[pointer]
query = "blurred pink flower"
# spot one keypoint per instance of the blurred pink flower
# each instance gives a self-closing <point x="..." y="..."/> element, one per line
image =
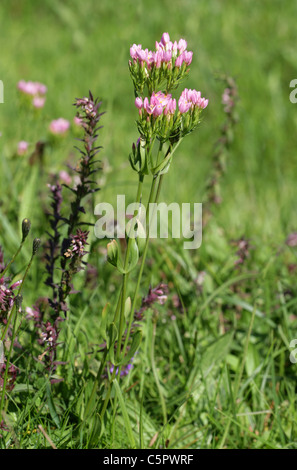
<point x="165" y="39"/>
<point x="77" y="121"/>
<point x="32" y="88"/>
<point x="64" y="176"/>
<point x="292" y="239"/>
<point x="22" y="147"/>
<point x="38" y="101"/>
<point x="59" y="126"/>
<point x="182" y="45"/>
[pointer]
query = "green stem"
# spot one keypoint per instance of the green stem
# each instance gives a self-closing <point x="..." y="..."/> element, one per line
<point x="140" y="272"/>
<point x="119" y="308"/>
<point x="125" y="276"/>
<point x="7" y="362"/>
<point x="155" y="373"/>
<point x="123" y="306"/>
<point x="151" y="198"/>
<point x="19" y="292"/>
<point x="13" y="315"/>
<point x="12" y="259"/>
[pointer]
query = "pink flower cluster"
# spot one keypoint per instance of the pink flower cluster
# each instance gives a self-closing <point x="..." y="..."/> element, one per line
<point x="159" y="104"/>
<point x="59" y="126"/>
<point x="191" y="99"/>
<point x="168" y="52"/>
<point x="164" y="104"/>
<point x="35" y="89"/>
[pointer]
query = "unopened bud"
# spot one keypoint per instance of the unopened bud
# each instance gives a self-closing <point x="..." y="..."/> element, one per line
<point x="26" y="225"/>
<point x="113" y="252"/>
<point x="36" y="245"/>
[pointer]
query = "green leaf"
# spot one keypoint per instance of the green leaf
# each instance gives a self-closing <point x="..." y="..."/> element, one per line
<point x="134" y="346"/>
<point x="96" y="430"/>
<point x="163" y="167"/>
<point x="23" y="388"/>
<point x="125" y="414"/>
<point x="104" y="316"/>
<point x="133" y="256"/>
<point x="28" y="198"/>
<point x="51" y="405"/>
<point x="216" y="352"/>
<point x="112" y="335"/>
<point x="127" y="307"/>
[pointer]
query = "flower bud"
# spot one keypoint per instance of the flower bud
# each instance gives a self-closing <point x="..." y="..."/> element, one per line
<point x="113" y="252"/>
<point x="26" y="225"/>
<point x="36" y="245"/>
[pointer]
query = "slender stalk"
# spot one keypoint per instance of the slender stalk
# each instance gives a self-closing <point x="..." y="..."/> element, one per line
<point x="10" y="317"/>
<point x="119" y="308"/>
<point x="7" y="362"/>
<point x="152" y="190"/>
<point x="26" y="224"/>
<point x="12" y="259"/>
<point x="13" y="315"/>
<point x="155" y="199"/>
<point x="154" y="369"/>
<point x="140" y="273"/>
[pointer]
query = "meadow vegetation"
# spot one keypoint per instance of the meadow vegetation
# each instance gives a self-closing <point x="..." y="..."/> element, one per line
<point x="211" y="361"/>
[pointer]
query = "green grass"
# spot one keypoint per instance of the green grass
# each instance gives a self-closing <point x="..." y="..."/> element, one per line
<point x="214" y="373"/>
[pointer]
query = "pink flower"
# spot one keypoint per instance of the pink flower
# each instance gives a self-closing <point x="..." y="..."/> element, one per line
<point x="133" y="51"/>
<point x="158" y="58"/>
<point x="64" y="176"/>
<point x="147" y="106"/>
<point x="158" y="104"/>
<point x="77" y="121"/>
<point x="188" y="56"/>
<point x="182" y="45"/>
<point x="27" y="87"/>
<point x="167" y="56"/>
<point x="22" y="147"/>
<point x="159" y="97"/>
<point x="38" y="101"/>
<point x="170" y="107"/>
<point x="59" y="126"/>
<point x="138" y="103"/>
<point x="184" y="57"/>
<point x="142" y="55"/>
<point x="158" y="110"/>
<point x="165" y="39"/>
<point x="41" y="88"/>
<point x="32" y="88"/>
<point x="183" y="105"/>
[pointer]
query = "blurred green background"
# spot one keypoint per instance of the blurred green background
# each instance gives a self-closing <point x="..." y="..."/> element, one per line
<point x="73" y="46"/>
